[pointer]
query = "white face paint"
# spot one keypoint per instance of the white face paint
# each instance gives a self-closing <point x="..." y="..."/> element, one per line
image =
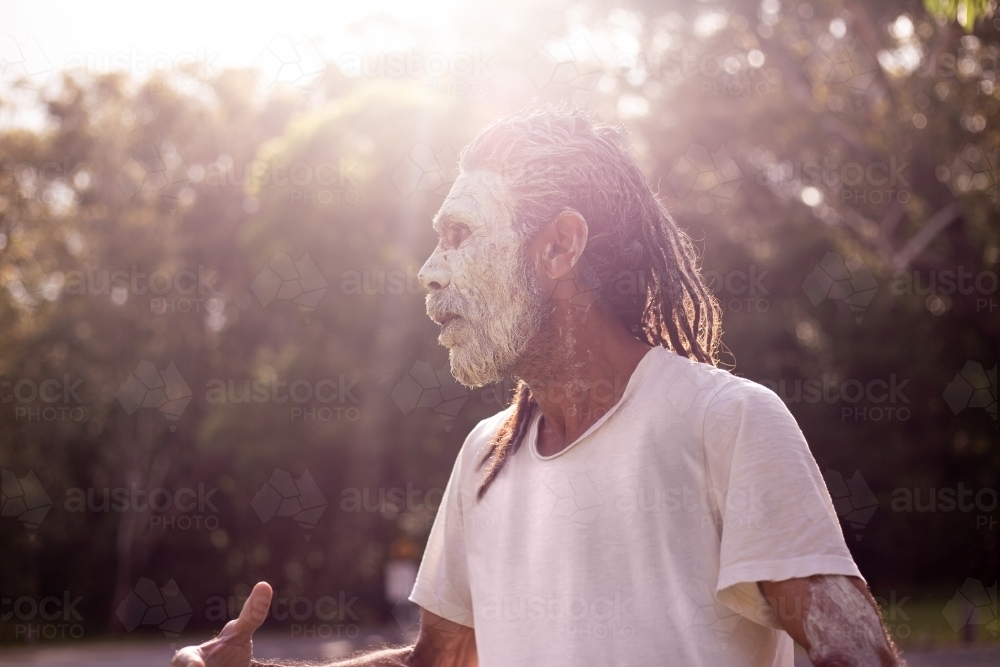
<point x="840" y="622"/>
<point x="479" y="273"/>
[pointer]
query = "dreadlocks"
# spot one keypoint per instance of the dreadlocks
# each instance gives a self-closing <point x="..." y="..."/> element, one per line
<point x="553" y="160"/>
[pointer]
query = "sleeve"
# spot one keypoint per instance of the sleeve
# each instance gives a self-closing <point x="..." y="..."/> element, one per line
<point x="778" y="521"/>
<point x="442" y="585"/>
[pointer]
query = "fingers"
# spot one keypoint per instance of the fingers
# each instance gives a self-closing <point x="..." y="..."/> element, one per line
<point x="252" y="616"/>
<point x="190" y="656"/>
<point x="255" y="609"/>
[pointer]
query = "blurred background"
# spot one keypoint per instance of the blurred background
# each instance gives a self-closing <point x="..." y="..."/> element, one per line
<point x="215" y="366"/>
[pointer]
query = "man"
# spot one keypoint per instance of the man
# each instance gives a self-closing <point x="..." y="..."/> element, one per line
<point x="634" y="505"/>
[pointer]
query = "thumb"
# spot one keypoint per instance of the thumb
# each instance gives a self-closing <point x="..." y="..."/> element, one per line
<point x="255" y="609"/>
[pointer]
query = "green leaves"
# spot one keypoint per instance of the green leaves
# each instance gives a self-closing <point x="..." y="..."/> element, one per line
<point x="963" y="12"/>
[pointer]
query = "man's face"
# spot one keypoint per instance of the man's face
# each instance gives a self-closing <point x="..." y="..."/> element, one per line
<point x="483" y="288"/>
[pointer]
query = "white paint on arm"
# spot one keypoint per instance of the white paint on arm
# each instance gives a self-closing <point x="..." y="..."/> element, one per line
<point x="843" y="627"/>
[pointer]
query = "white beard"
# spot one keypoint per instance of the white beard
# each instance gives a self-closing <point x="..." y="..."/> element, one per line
<point x="502" y="309"/>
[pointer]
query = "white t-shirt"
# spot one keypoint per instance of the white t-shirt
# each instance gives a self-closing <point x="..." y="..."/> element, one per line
<point x="640" y="543"/>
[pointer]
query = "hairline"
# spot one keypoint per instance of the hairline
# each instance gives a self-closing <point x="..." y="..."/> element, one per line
<point x="502" y="196"/>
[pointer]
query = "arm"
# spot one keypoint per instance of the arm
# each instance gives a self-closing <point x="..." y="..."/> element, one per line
<point x="440" y="643"/>
<point x="835" y="618"/>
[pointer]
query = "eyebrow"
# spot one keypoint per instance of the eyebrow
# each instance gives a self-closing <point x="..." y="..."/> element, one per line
<point x="443" y="220"/>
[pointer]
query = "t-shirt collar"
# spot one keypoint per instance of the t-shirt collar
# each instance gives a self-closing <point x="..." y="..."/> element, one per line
<point x="638" y="375"/>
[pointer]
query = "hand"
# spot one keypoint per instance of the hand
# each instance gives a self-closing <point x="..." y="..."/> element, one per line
<point x="233" y="647"/>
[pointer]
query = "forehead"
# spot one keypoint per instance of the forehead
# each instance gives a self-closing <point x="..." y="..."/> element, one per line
<point x="476" y="198"/>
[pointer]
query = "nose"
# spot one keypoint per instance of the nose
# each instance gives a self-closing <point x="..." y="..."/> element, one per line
<point x="434" y="274"/>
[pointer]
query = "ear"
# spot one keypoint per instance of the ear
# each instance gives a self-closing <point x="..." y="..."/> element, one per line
<point x="561" y="244"/>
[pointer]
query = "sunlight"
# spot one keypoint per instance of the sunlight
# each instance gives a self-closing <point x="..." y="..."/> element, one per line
<point x="144" y="37"/>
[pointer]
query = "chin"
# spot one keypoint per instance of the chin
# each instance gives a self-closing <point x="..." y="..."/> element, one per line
<point x="471" y="375"/>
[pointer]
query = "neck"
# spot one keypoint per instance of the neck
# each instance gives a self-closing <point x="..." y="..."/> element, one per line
<point x="578" y="371"/>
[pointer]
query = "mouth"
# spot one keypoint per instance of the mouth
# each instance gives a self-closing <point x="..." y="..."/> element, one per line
<point x="445" y="319"/>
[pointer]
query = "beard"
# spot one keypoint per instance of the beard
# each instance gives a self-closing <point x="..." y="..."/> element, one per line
<point x="501" y="311"/>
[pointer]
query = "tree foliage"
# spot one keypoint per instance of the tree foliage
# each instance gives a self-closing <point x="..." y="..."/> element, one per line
<point x="266" y="245"/>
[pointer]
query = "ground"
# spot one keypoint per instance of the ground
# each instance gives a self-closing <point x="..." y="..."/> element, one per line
<point x="147" y="654"/>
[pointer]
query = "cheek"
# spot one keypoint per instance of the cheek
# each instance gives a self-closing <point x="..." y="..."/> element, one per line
<point x="457" y="262"/>
<point x="471" y="264"/>
<point x="481" y="260"/>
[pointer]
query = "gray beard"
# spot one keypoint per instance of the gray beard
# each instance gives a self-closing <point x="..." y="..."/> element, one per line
<point x="498" y="330"/>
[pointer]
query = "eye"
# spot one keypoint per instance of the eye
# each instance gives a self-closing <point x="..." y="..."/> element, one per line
<point x="455" y="234"/>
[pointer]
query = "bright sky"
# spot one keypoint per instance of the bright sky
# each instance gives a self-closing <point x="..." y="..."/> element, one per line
<point x="131" y="34"/>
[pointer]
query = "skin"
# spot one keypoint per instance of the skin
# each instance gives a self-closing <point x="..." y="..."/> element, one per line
<point x="835" y="618"/>
<point x="544" y="329"/>
<point x="479" y="283"/>
<point x="573" y="358"/>
<point x="440" y="643"/>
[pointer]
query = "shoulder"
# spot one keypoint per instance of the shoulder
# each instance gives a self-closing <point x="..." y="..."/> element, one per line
<point x="699" y="385"/>
<point x="718" y="386"/>
<point x="478" y="440"/>
<point x="739" y="392"/>
<point x="484" y="431"/>
<point x="715" y="395"/>
<point x="748" y="412"/>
